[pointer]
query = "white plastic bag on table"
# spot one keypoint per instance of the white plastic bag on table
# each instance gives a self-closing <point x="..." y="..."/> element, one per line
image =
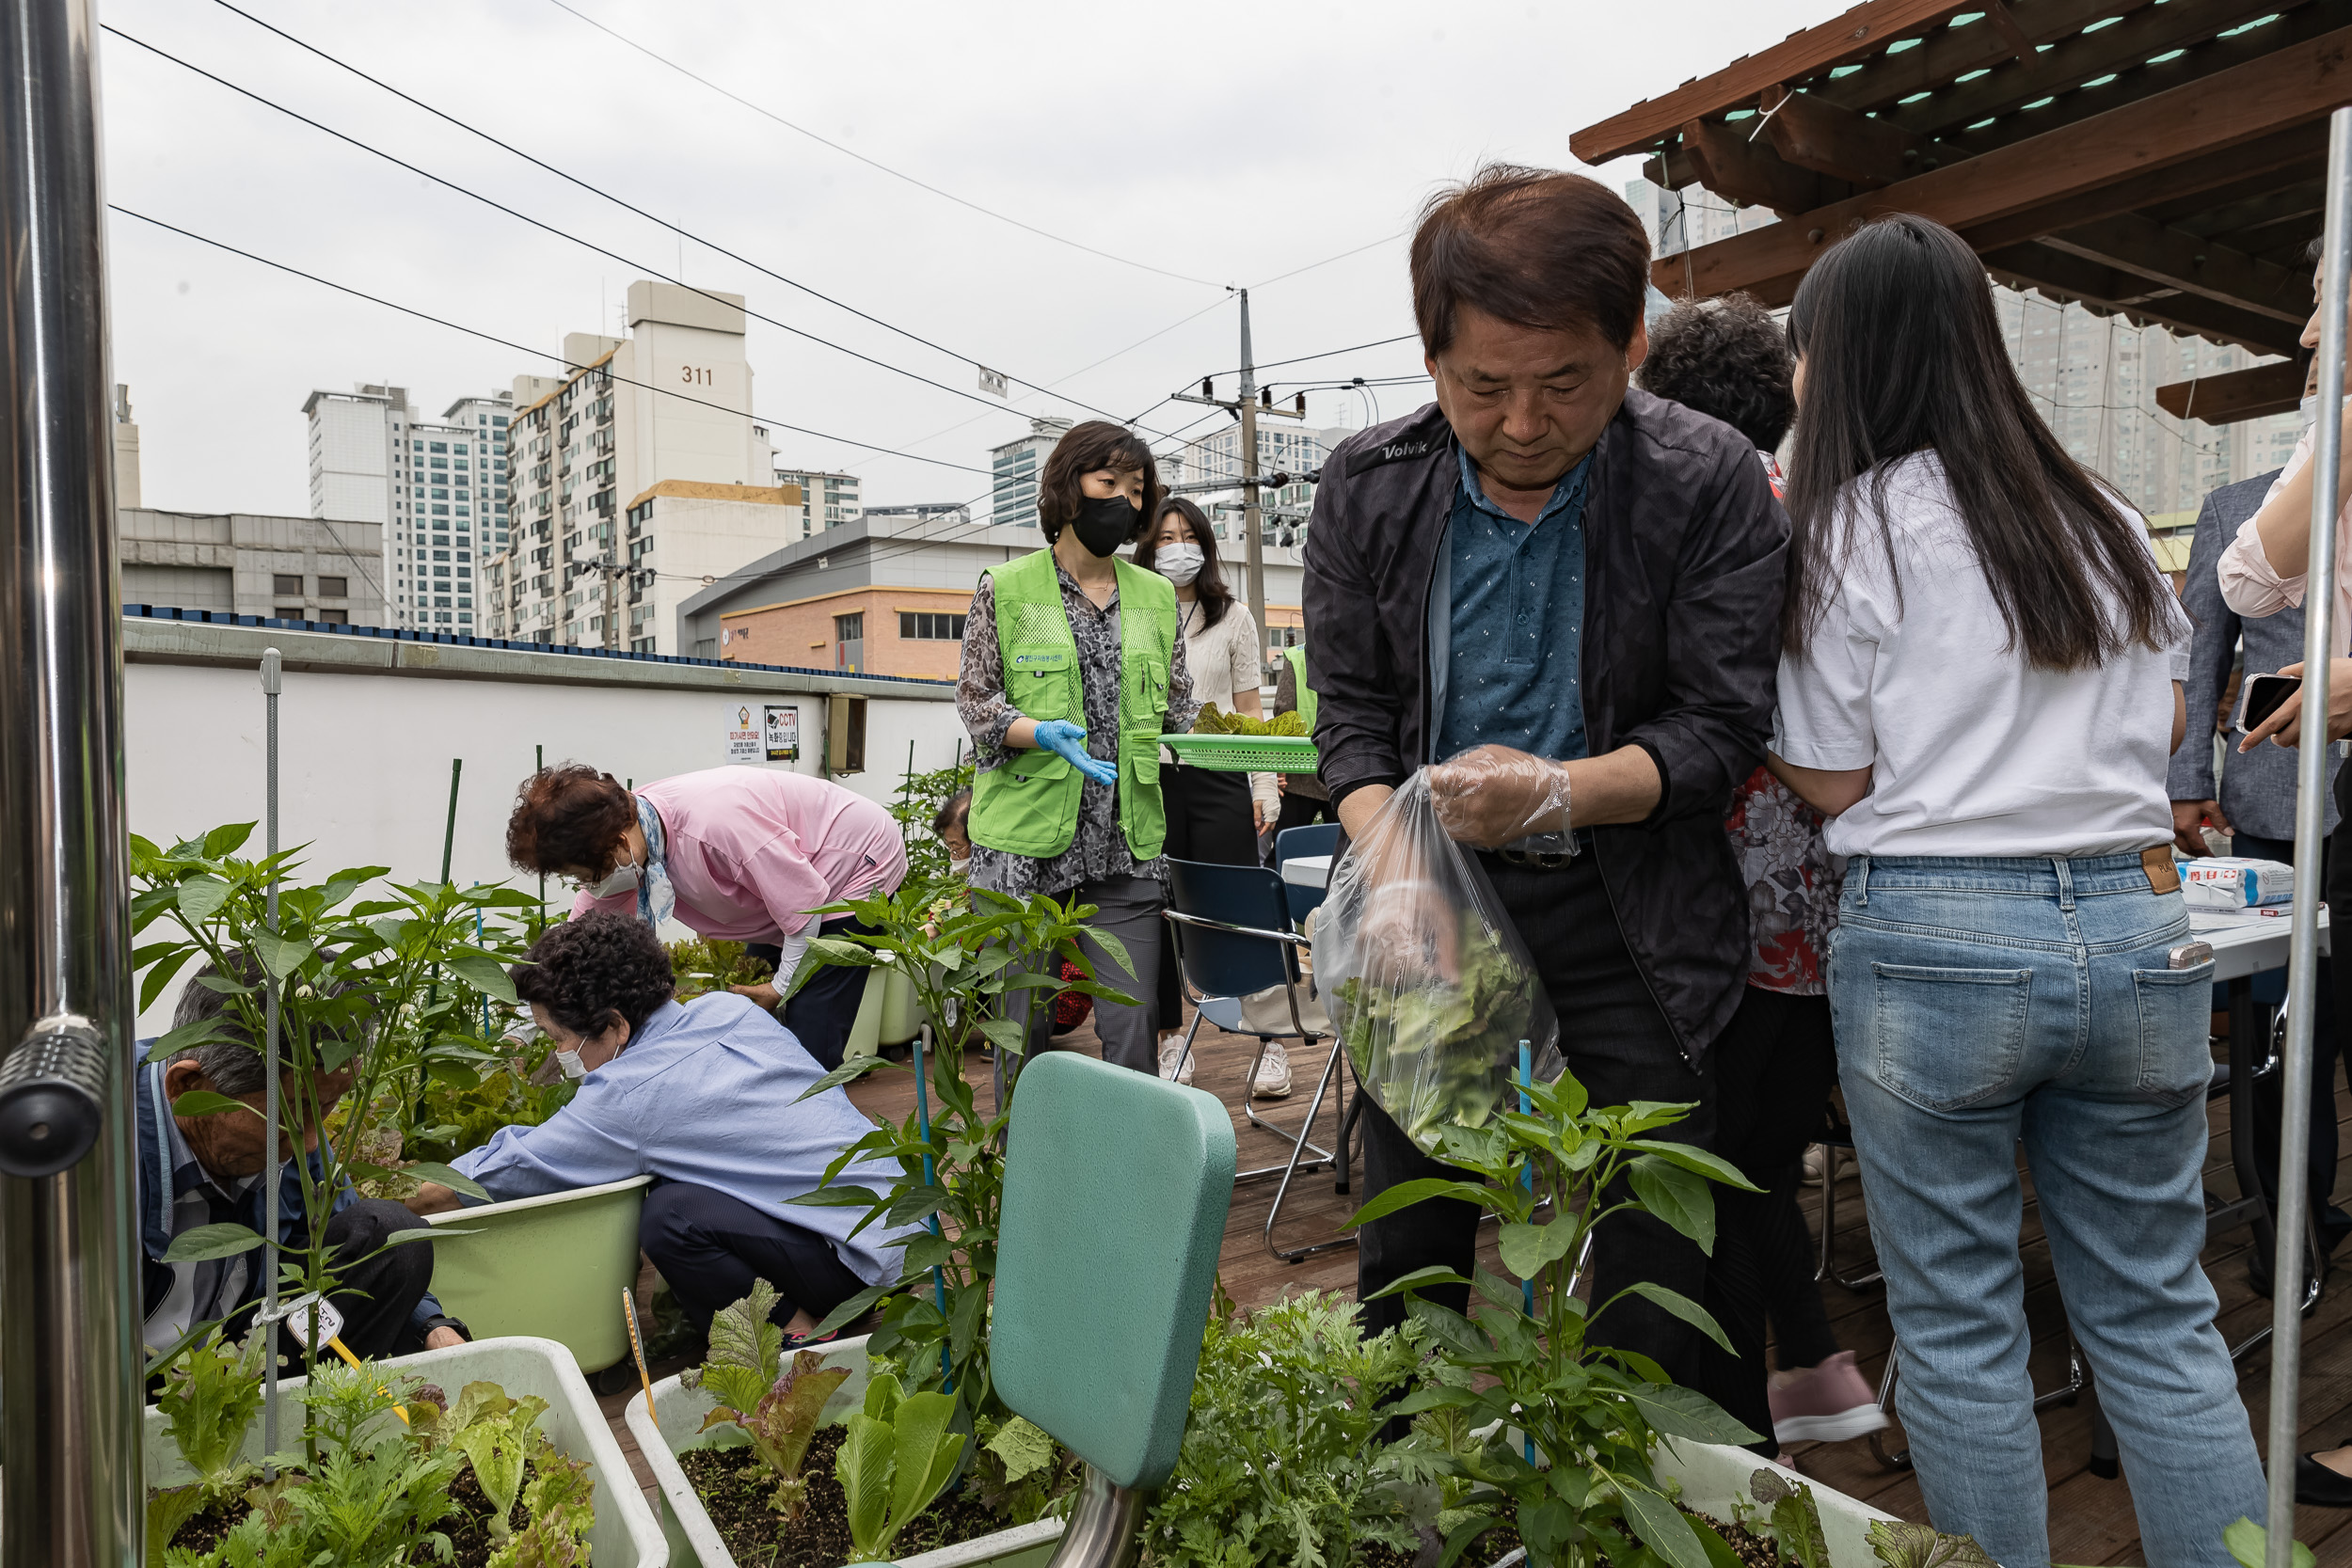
<point x="1424" y="977"/>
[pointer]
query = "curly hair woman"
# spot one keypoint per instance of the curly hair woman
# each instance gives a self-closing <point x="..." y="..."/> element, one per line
<point x="705" y="1099"/>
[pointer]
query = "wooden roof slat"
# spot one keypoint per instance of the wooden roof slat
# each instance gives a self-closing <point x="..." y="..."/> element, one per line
<point x="2061" y="275"/>
<point x="2284" y="89"/>
<point x="2190" y="265"/>
<point x="1949" y="53"/>
<point x="2234" y="395"/>
<point x="2276" y="196"/>
<point x="1863" y="30"/>
<point x="2150" y="31"/>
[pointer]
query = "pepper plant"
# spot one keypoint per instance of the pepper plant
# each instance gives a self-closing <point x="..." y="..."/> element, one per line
<point x="390" y="989"/>
<point x="1568" y="1456"/>
<point x="976" y="965"/>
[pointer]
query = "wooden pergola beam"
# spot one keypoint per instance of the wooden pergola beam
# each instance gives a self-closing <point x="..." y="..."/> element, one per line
<point x="2197" y="119"/>
<point x="1949" y="53"/>
<point x="1828" y="139"/>
<point x="2226" y="399"/>
<point x="1737" y="169"/>
<point x="1864" y="30"/>
<point x="2108" y="287"/>
<point x="2188" y="263"/>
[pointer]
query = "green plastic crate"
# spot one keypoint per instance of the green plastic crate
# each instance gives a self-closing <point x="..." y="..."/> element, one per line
<point x="1244" y="753"/>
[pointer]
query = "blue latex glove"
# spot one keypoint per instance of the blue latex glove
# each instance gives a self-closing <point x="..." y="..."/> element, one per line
<point x="1064" y="739"/>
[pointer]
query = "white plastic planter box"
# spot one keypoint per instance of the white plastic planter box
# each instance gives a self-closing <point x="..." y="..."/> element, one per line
<point x="624" y="1535"/>
<point x="1715" y="1482"/>
<point x="670" y="1429"/>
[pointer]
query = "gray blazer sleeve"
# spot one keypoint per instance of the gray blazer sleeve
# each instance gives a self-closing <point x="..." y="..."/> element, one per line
<point x="2212" y="651"/>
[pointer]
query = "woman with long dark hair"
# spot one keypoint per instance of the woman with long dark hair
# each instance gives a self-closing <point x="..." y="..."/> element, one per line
<point x="1979" y="687"/>
<point x="1211" y="817"/>
<point x="1073" y="669"/>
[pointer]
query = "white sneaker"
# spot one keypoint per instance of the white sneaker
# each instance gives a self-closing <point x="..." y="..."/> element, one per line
<point x="1273" y="1081"/>
<point x="1168" y="1054"/>
<point x="1816" y="1164"/>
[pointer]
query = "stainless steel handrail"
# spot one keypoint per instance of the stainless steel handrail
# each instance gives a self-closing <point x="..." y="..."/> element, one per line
<point x="68" y="1281"/>
<point x="2311" y="833"/>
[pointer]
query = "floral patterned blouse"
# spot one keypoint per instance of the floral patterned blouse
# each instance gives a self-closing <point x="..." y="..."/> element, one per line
<point x="1793" y="883"/>
<point x="1099" y="849"/>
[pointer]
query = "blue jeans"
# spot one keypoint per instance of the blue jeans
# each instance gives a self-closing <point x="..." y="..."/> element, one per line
<point x="1980" y="1003"/>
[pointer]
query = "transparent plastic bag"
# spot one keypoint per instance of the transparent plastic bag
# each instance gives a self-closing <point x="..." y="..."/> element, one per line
<point x="1425" y="977"/>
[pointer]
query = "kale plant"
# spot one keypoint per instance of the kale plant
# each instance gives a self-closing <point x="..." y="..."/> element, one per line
<point x="1281" y="1459"/>
<point x="1591" y="1414"/>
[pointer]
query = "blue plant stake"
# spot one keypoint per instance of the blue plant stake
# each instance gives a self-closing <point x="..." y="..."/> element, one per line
<point x="485" y="999"/>
<point x="939" y="1280"/>
<point x="1527" y="1176"/>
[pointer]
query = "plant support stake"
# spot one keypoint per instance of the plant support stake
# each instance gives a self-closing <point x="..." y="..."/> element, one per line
<point x="1527" y="1287"/>
<point x="939" y="1279"/>
<point x="449" y="824"/>
<point x="272" y="1113"/>
<point x="2311" y="835"/>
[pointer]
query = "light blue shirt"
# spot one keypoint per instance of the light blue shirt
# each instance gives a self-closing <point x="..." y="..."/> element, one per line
<point x="706" y="1094"/>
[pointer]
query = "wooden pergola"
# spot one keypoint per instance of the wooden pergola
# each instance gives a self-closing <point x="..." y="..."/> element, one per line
<point x="2161" y="159"/>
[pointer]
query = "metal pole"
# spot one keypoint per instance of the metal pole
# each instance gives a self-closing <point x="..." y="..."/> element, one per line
<point x="1255" y="552"/>
<point x="2310" y="822"/>
<point x="69" y="1283"/>
<point x="271" y="1112"/>
<point x="449" y="825"/>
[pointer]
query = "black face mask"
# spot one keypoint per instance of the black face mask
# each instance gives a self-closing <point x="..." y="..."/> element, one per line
<point x="1103" y="525"/>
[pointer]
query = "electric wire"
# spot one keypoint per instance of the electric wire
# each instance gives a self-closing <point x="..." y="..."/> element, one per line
<point x="871" y="163"/>
<point x="522" y="348"/>
<point x="626" y="205"/>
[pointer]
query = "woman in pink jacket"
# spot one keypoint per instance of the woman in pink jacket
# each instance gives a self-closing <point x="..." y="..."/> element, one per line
<point x="736" y="854"/>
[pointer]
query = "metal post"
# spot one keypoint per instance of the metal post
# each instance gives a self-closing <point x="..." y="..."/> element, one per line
<point x="271" y="1111"/>
<point x="1254" y="550"/>
<point x="2311" y="821"/>
<point x="449" y="824"/>
<point x="68" y="1285"/>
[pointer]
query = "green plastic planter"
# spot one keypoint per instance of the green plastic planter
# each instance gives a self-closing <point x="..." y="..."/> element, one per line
<point x="624" y="1535"/>
<point x="668" y="1429"/>
<point x="549" y="1268"/>
<point x="888" y="1013"/>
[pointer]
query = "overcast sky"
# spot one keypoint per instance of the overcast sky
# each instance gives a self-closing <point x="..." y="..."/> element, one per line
<point x="1224" y="143"/>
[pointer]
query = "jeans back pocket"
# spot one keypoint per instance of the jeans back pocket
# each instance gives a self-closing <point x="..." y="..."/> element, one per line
<point x="2176" y="1032"/>
<point x="1943" y="1039"/>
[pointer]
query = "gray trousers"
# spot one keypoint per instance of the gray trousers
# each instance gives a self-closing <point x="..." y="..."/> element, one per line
<point x="1129" y="909"/>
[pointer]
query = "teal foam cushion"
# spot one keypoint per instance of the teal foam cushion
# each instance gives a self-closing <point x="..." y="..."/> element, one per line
<point x="1116" y="1190"/>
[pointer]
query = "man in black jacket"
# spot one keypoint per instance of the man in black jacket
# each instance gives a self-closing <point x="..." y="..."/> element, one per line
<point x="1573" y="589"/>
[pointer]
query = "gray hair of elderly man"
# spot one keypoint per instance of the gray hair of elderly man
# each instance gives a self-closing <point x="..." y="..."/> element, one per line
<point x="232" y="1065"/>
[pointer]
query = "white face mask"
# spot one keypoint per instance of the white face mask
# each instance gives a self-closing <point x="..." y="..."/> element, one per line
<point x="1178" y="563"/>
<point x="625" y="879"/>
<point x="961" y="867"/>
<point x="2309" y="409"/>
<point x="570" y="1063"/>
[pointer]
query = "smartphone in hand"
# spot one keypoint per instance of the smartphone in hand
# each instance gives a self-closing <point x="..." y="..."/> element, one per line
<point x="2261" y="696"/>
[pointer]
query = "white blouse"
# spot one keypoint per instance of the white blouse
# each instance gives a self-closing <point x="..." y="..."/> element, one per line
<point x="1223" y="659"/>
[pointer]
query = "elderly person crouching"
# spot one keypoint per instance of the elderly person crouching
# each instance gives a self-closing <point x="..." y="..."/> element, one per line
<point x="708" y="1101"/>
<point x="202" y="1170"/>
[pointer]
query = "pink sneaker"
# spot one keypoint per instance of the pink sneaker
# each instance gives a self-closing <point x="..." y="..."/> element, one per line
<point x="1827" y="1404"/>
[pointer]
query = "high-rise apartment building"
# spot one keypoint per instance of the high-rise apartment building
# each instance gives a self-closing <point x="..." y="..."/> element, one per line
<point x="666" y="408"/>
<point x="127" y="486"/>
<point x="437" y="490"/>
<point x="1015" y="467"/>
<point x="828" y="501"/>
<point x="1282" y="449"/>
<point x="2093" y="377"/>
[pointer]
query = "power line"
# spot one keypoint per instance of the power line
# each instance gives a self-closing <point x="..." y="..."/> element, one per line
<point x="522" y="348"/>
<point x="1342" y="256"/>
<point x="1327" y="354"/>
<point x="870" y="163"/>
<point x="626" y="206"/>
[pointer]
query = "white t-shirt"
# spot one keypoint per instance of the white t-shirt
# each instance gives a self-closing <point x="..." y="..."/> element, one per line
<point x="1222" y="661"/>
<point x="1972" y="752"/>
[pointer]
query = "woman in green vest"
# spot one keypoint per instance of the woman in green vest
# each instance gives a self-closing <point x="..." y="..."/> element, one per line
<point x="1071" y="669"/>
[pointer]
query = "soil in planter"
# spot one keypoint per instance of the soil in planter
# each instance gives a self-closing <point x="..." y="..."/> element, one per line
<point x="1749" y="1548"/>
<point x="468" y="1529"/>
<point x="757" y="1537"/>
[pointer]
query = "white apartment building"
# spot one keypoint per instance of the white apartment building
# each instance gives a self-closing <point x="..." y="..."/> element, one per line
<point x="1015" y="467"/>
<point x="2093" y="377"/>
<point x="435" y="489"/>
<point x="1284" y="448"/>
<point x="669" y="405"/>
<point x="127" y="488"/>
<point x="827" y="500"/>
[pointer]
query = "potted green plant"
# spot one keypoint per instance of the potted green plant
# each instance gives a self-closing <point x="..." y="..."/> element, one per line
<point x="516" y="1466"/>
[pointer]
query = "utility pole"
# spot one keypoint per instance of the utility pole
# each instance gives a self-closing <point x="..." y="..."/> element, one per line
<point x="612" y="569"/>
<point x="1247" y="407"/>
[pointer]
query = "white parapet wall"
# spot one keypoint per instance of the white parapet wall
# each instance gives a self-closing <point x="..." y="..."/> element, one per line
<point x="368" y="727"/>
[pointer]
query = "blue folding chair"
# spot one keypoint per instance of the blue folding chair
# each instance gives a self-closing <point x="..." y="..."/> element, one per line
<point x="1291" y="843"/>
<point x="1233" y="941"/>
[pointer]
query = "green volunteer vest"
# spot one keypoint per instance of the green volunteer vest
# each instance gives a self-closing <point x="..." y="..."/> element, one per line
<point x="1298" y="679"/>
<point x="1028" y="804"/>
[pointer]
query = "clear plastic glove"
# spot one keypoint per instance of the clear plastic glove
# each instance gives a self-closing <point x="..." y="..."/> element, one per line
<point x="1402" y="932"/>
<point x="1069" y="740"/>
<point x="1496" y="798"/>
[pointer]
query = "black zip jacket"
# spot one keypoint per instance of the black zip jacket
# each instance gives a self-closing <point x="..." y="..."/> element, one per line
<point x="1685" y="552"/>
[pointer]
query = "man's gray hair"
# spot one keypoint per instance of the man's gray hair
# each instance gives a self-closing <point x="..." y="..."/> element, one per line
<point x="232" y="1065"/>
